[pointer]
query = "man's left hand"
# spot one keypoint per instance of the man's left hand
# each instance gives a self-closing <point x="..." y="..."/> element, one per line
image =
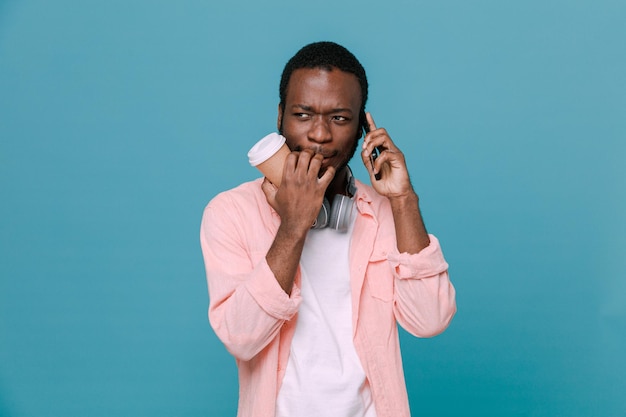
<point x="390" y="165"/>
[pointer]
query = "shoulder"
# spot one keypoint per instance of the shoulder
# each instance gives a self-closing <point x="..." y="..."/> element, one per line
<point x="240" y="203"/>
<point x="367" y="194"/>
<point x="241" y="215"/>
<point x="244" y="195"/>
<point x="370" y="203"/>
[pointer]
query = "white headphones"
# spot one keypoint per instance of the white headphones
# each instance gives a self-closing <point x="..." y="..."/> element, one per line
<point x="337" y="216"/>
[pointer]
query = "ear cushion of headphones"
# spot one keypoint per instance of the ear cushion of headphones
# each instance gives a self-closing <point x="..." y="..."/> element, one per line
<point x="341" y="213"/>
<point x="323" y="216"/>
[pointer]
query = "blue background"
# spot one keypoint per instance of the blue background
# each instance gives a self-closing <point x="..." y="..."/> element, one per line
<point x="120" y="120"/>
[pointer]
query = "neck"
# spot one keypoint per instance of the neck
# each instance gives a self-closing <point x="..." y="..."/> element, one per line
<point x="339" y="184"/>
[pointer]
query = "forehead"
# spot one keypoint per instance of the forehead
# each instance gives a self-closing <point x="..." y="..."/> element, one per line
<point x="312" y="86"/>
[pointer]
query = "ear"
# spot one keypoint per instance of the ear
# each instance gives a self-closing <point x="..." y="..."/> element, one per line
<point x="279" y="120"/>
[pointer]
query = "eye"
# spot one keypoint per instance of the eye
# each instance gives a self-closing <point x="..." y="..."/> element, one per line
<point x="339" y="118"/>
<point x="302" y="116"/>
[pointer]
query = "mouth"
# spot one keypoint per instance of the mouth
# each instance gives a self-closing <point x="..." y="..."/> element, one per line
<point x="327" y="155"/>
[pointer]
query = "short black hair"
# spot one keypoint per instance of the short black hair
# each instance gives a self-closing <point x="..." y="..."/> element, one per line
<point x="325" y="55"/>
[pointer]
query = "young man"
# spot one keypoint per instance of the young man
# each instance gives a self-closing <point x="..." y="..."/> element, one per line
<point x="310" y="314"/>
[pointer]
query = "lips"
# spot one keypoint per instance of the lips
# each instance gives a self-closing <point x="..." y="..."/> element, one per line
<point x="326" y="154"/>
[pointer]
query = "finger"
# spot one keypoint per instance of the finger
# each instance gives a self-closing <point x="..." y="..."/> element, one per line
<point x="367" y="162"/>
<point x="327" y="177"/>
<point x="292" y="161"/>
<point x="302" y="164"/>
<point x="381" y="140"/>
<point x="316" y="164"/>
<point x="389" y="158"/>
<point x="269" y="190"/>
<point x="304" y="159"/>
<point x="375" y="140"/>
<point x="370" y="121"/>
<point x="383" y="158"/>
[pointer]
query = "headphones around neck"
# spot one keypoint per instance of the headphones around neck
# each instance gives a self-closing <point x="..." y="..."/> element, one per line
<point x="337" y="215"/>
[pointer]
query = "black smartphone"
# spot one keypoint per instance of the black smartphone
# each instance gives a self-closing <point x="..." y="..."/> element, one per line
<point x="376" y="150"/>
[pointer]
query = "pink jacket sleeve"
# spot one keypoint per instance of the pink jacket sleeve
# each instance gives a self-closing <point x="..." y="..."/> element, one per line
<point x="247" y="307"/>
<point x="424" y="298"/>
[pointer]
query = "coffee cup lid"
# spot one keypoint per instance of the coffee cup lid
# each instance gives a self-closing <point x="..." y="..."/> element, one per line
<point x="265" y="148"/>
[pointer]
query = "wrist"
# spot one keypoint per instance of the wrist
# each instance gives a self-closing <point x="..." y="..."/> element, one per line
<point x="404" y="200"/>
<point x="293" y="231"/>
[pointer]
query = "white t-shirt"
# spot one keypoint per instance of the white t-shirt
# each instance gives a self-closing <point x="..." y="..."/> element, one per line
<point x="324" y="376"/>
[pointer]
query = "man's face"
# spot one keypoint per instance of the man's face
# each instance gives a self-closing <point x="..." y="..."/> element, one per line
<point x="321" y="113"/>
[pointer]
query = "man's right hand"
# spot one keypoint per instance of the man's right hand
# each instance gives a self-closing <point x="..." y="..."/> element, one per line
<point x="299" y="198"/>
<point x="297" y="201"/>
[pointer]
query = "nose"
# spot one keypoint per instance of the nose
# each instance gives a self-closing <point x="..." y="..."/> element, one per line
<point x="319" y="130"/>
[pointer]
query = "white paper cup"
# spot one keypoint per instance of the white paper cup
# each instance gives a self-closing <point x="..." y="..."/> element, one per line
<point x="268" y="156"/>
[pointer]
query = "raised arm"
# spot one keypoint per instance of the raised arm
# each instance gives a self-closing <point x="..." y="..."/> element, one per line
<point x="394" y="183"/>
<point x="424" y="298"/>
<point x="297" y="202"/>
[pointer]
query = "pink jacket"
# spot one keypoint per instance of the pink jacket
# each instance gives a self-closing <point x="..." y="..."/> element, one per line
<point x="255" y="318"/>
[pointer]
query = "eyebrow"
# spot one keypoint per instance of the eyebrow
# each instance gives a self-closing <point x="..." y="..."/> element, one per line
<point x="309" y="108"/>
